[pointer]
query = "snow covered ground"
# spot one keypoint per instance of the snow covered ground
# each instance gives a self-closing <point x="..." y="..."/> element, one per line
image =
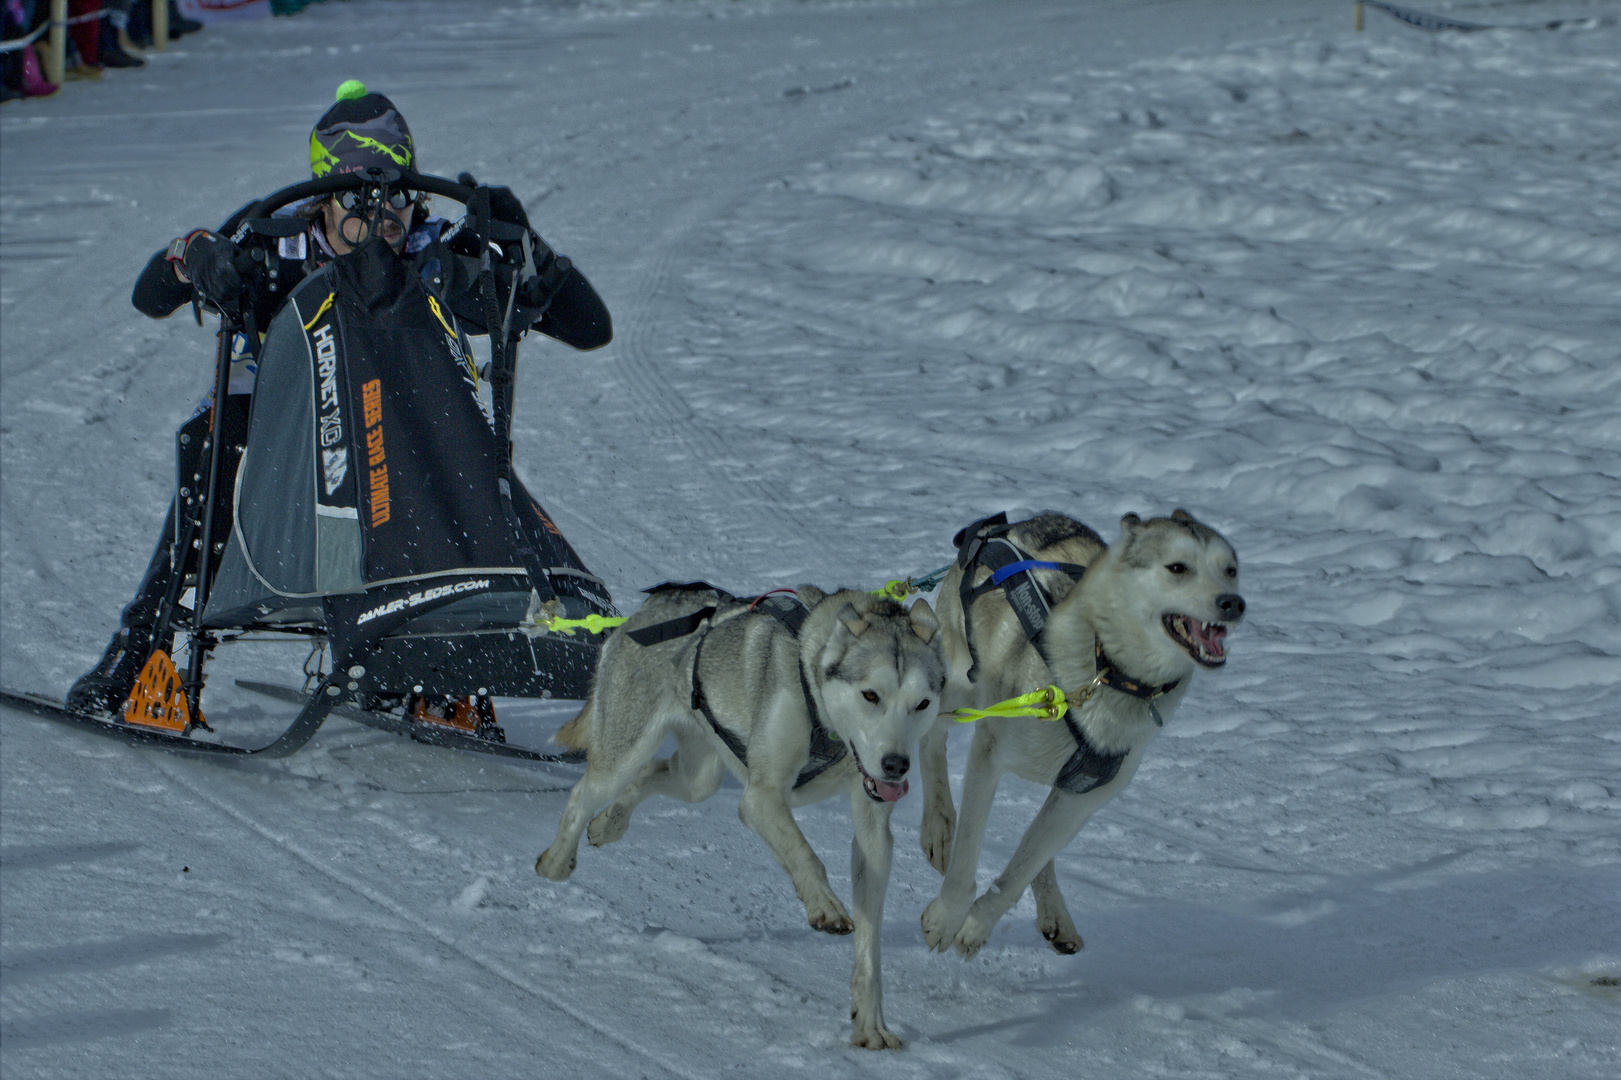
<point x="878" y="269"/>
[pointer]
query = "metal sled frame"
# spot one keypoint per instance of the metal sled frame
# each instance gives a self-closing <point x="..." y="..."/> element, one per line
<point x="389" y="657"/>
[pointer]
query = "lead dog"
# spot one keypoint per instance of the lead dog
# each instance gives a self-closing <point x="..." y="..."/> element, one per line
<point x="1143" y="616"/>
<point x="775" y="691"/>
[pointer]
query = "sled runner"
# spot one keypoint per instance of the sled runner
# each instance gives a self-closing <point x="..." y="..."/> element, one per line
<point x="375" y="514"/>
<point x="429" y="734"/>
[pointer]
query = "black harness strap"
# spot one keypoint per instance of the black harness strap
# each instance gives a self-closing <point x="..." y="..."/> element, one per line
<point x="967" y="539"/>
<point x="699" y="702"/>
<point x="671" y="629"/>
<point x="1089" y="767"/>
<point x="826" y="749"/>
<point x="682" y="586"/>
<point x="984" y="543"/>
<point x="786" y="608"/>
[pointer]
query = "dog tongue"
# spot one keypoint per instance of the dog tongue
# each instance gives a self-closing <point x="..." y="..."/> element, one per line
<point x="1210" y="636"/>
<point x="890" y="792"/>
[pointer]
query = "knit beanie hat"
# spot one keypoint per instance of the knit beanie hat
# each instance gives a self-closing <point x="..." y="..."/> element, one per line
<point x="360" y="131"/>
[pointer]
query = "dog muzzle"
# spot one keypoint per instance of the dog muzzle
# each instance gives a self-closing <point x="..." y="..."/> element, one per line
<point x="881" y="790"/>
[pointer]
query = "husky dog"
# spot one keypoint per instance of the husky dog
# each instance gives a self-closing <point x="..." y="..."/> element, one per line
<point x="1142" y="618"/>
<point x="776" y="691"/>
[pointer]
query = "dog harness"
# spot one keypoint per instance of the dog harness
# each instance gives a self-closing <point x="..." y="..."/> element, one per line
<point x="680" y="627"/>
<point x="826" y="749"/>
<point x="984" y="543"/>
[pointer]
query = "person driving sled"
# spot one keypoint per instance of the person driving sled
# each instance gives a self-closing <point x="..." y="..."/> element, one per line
<point x="362" y="133"/>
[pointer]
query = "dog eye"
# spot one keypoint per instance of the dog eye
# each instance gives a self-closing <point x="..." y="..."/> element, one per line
<point x="1232" y="571"/>
<point x="924" y="704"/>
<point x="870" y="696"/>
<point x="1177" y="568"/>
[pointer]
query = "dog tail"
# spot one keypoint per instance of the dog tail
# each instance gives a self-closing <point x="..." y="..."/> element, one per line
<point x="576" y="734"/>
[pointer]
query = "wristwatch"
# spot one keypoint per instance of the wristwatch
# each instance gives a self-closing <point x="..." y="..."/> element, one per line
<point x="177" y="246"/>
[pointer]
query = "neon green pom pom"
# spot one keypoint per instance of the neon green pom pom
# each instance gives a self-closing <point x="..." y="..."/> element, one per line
<point x="351" y="89"/>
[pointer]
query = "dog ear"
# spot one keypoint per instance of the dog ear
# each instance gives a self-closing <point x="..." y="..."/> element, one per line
<point x="1129" y="522"/>
<point x="852" y="621"/>
<point x="1181" y="515"/>
<point x="925" y="624"/>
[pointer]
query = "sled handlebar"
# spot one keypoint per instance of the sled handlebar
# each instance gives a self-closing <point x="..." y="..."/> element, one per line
<point x="327" y="185"/>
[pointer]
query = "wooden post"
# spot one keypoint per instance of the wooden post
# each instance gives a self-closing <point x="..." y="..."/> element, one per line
<point x="1356" y="16"/>
<point x="56" y="43"/>
<point x="160" y="24"/>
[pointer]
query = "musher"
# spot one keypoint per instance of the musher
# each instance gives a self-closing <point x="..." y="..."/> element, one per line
<point x="362" y="130"/>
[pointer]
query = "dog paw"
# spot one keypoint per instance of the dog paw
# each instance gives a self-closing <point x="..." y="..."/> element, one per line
<point x="940" y="925"/>
<point x="937" y="831"/>
<point x="555" y="864"/>
<point x="874" y="1036"/>
<point x="973" y="936"/>
<point x="829" y="917"/>
<point x="608" y="826"/>
<point x="1065" y="940"/>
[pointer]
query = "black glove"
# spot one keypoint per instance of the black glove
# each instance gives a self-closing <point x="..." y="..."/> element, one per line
<point x="494" y="204"/>
<point x="504" y="206"/>
<point x="550" y="273"/>
<point x="211" y="264"/>
<point x="550" y="268"/>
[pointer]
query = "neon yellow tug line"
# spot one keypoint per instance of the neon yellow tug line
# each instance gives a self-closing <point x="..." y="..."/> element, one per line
<point x="897" y="591"/>
<point x="1048" y="703"/>
<point x="593" y="624"/>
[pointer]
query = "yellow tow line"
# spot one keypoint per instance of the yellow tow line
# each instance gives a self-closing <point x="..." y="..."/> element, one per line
<point x="901" y="588"/>
<point x="593" y="624"/>
<point x="1048" y="703"/>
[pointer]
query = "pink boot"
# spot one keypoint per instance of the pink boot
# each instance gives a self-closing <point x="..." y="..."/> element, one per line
<point x="34" y="84"/>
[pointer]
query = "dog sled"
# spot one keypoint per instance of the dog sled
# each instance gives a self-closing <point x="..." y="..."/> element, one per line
<point x="375" y="515"/>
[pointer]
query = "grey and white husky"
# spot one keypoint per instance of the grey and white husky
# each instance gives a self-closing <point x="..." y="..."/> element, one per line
<point x="1143" y="617"/>
<point x="777" y="698"/>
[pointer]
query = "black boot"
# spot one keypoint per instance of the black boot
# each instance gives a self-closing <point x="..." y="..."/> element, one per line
<point x="140" y="25"/>
<point x="104" y="688"/>
<point x="179" y="25"/>
<point x="110" y="54"/>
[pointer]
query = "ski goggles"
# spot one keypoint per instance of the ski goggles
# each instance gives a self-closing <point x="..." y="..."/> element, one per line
<point x="398" y="198"/>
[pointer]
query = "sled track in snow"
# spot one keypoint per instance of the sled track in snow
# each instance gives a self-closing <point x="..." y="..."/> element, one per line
<point x="656" y="324"/>
<point x="652" y="395"/>
<point x="405" y="914"/>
